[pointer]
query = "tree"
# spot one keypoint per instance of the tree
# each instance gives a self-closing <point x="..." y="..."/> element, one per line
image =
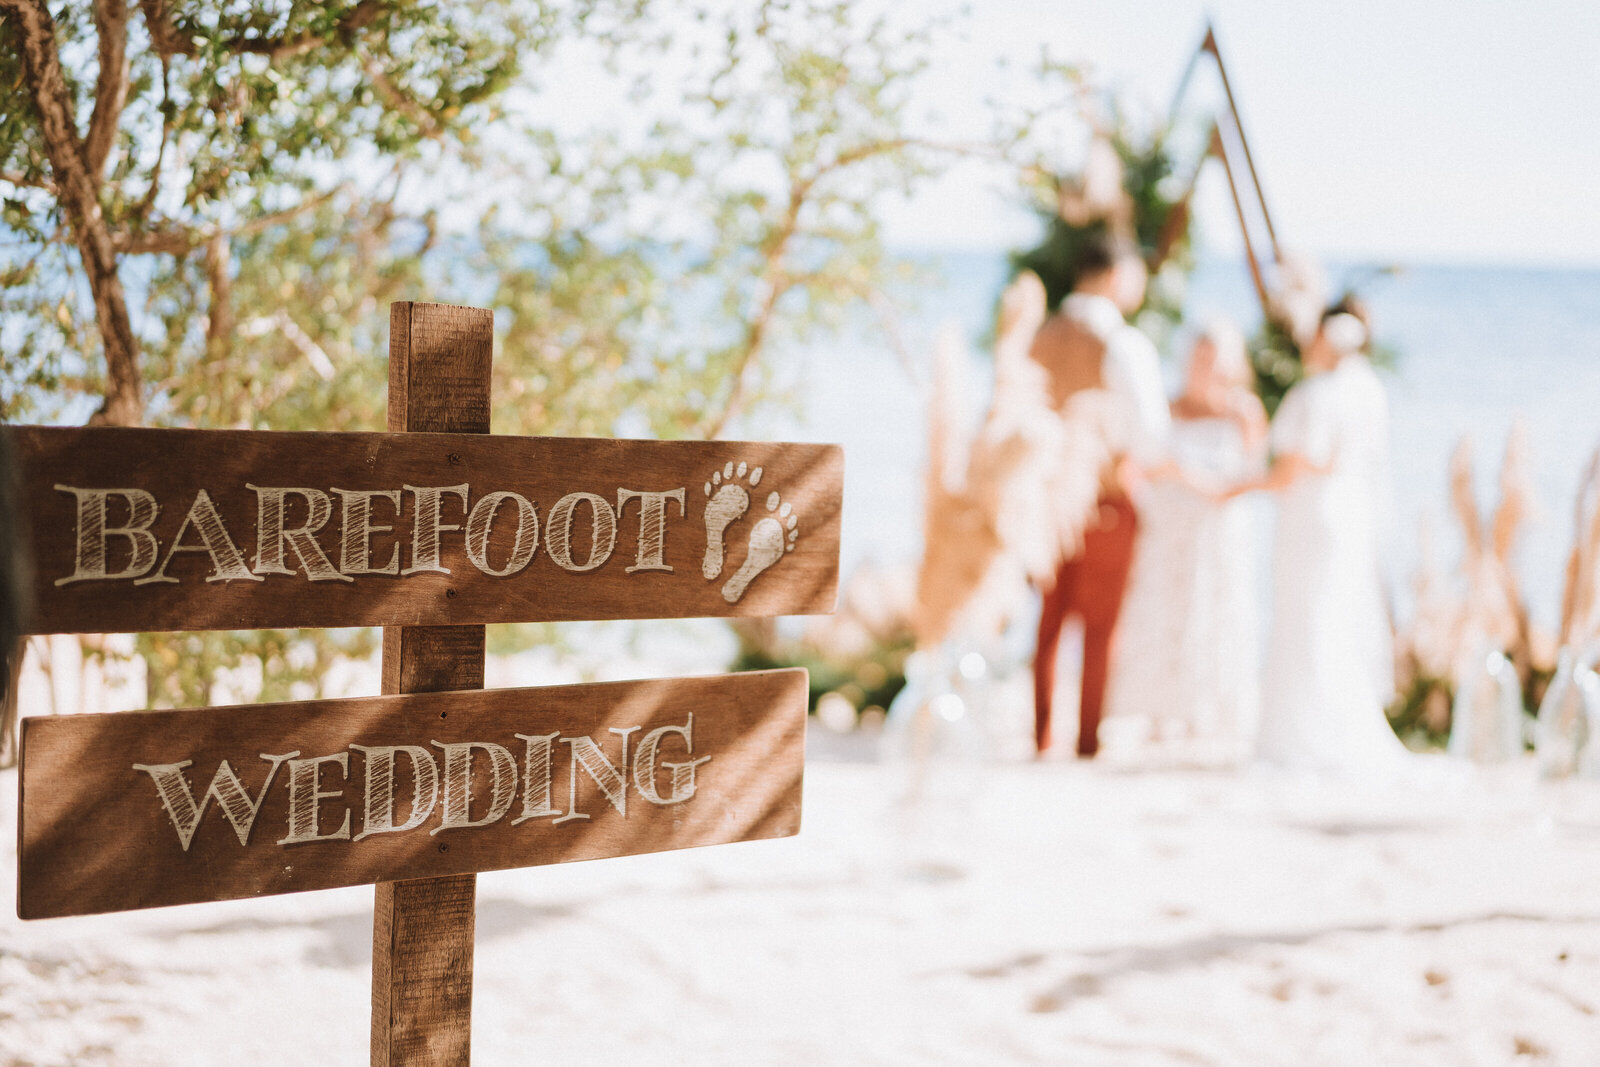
<point x="206" y="124"/>
<point x="214" y="243"/>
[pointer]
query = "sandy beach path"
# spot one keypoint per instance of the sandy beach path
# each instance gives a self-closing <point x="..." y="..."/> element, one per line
<point x="1033" y="914"/>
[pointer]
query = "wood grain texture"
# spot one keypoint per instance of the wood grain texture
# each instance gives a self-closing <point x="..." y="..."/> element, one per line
<point x="439" y="361"/>
<point x="422" y="981"/>
<point x="423" y="930"/>
<point x="97" y="837"/>
<point x="174" y="465"/>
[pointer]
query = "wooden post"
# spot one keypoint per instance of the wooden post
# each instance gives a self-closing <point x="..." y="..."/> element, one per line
<point x="1219" y="149"/>
<point x="422" y="931"/>
<point x="1210" y="45"/>
<point x="75" y="858"/>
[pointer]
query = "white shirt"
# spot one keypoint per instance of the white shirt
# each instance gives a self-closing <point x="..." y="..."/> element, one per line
<point x="1131" y="373"/>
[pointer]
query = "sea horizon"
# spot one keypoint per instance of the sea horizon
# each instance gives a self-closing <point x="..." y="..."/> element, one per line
<point x="1477" y="347"/>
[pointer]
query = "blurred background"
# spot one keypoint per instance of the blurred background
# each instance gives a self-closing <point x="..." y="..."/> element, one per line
<point x="768" y="221"/>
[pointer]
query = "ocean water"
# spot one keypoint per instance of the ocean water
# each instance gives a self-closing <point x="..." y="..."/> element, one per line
<point x="1478" y="349"/>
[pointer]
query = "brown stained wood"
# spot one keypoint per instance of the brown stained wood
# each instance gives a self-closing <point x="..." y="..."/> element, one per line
<point x="439" y="360"/>
<point x="423" y="930"/>
<point x="426" y="1016"/>
<point x="432" y="659"/>
<point x="174" y="465"/>
<point x="137" y="530"/>
<point x="96" y="836"/>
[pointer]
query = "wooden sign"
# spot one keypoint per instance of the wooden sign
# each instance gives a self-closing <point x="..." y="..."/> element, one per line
<point x="432" y="531"/>
<point x="143" y="809"/>
<point x="138" y="529"/>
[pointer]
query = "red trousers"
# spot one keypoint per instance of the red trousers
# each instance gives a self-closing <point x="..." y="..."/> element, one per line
<point x="1089" y="585"/>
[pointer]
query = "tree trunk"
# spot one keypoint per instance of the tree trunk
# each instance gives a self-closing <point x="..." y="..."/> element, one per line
<point x="78" y="194"/>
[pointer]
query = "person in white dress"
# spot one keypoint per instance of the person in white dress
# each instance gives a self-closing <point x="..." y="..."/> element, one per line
<point x="1323" y="691"/>
<point x="1186" y="669"/>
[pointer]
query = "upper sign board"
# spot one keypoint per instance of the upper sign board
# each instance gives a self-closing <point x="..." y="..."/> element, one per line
<point x="139" y="529"/>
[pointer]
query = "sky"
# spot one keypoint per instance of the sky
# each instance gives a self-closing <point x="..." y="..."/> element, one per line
<point x="1466" y="131"/>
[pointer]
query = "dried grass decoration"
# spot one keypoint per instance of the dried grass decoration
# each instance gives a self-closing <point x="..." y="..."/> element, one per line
<point x="1003" y="509"/>
<point x="1494" y="653"/>
<point x="1580" y="601"/>
<point x="1567" y="734"/>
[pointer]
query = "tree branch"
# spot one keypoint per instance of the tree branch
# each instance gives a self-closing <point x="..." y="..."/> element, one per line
<point x="219" y="314"/>
<point x="22" y="181"/>
<point x="357" y="18"/>
<point x="177" y="239"/>
<point x="168" y="40"/>
<point x="399" y="101"/>
<point x="755" y="339"/>
<point x="772" y="285"/>
<point x="164" y="36"/>
<point x="774" y="282"/>
<point x="77" y="191"/>
<point x="272" y="218"/>
<point x="149" y="202"/>
<point x="111" y="85"/>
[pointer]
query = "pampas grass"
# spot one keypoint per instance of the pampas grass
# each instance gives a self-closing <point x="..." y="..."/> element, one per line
<point x="1490" y="611"/>
<point x="1486" y="606"/>
<point x="1493" y="605"/>
<point x="1428" y="646"/>
<point x="1001" y="510"/>
<point x="1516" y="497"/>
<point x="1580" y="601"/>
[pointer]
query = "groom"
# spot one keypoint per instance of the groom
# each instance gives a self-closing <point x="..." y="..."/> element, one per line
<point x="1088" y="344"/>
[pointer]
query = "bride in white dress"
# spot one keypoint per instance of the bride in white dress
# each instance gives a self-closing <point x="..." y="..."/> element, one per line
<point x="1185" y="674"/>
<point x="1325" y="683"/>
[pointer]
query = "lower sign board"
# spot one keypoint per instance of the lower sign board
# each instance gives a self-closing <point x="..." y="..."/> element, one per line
<point x="145" y="809"/>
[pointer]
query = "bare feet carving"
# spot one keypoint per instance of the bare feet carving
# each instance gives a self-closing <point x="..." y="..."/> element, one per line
<point x="770" y="538"/>
<point x="727" y="503"/>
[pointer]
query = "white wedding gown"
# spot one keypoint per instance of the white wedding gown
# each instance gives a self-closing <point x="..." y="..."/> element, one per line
<point x="1186" y="648"/>
<point x="1328" y="671"/>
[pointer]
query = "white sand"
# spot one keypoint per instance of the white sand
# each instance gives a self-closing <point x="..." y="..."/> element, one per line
<point x="1051" y="914"/>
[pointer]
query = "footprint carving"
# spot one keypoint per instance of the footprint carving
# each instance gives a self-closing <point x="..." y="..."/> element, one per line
<point x="726" y="504"/>
<point x="770" y="538"/>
